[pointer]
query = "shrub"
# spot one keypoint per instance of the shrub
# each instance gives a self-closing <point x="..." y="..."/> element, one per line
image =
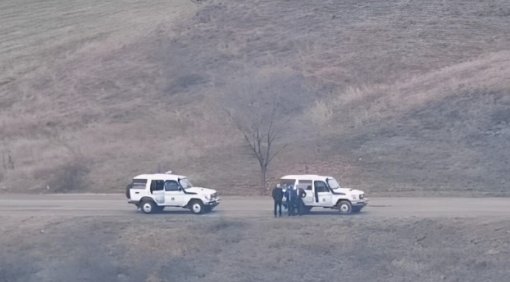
<point x="70" y="177"/>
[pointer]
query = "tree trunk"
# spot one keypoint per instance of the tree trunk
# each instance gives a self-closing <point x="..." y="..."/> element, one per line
<point x="263" y="172"/>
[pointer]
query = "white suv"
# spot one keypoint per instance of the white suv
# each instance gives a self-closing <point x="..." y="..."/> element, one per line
<point x="324" y="191"/>
<point x="154" y="192"/>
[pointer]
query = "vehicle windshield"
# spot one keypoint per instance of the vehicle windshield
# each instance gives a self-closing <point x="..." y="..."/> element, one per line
<point x="333" y="184"/>
<point x="185" y="183"/>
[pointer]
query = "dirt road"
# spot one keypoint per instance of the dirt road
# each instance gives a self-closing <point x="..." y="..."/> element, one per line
<point x="116" y="204"/>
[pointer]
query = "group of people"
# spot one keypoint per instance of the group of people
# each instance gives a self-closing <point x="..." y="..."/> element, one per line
<point x="293" y="200"/>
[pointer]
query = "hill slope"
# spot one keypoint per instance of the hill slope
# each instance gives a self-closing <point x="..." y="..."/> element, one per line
<point x="388" y="95"/>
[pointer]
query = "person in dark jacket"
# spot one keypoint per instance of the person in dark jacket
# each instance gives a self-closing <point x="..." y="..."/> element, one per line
<point x="291" y="200"/>
<point x="278" y="198"/>
<point x="295" y="200"/>
<point x="300" y="203"/>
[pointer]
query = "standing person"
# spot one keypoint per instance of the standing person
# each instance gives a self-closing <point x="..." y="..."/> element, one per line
<point x="278" y="198"/>
<point x="290" y="200"/>
<point x="301" y="204"/>
<point x="295" y="200"/>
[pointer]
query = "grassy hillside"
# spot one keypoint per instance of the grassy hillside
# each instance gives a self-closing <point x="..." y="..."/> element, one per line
<point x="387" y="95"/>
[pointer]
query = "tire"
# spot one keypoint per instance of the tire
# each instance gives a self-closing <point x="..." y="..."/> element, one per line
<point x="196" y="207"/>
<point x="208" y="208"/>
<point x="356" y="209"/>
<point x="148" y="206"/>
<point x="345" y="207"/>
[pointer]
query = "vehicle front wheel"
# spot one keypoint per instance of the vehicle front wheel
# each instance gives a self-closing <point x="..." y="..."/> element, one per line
<point x="345" y="207"/>
<point x="148" y="206"/>
<point x="356" y="209"/>
<point x="196" y="207"/>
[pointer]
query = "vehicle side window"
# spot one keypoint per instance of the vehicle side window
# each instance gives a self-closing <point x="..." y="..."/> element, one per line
<point x="157" y="185"/>
<point x="138" y="183"/>
<point x="320" y="186"/>
<point x="171" y="185"/>
<point x="305" y="184"/>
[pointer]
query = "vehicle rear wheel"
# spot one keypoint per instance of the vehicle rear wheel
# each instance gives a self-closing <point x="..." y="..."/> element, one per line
<point x="345" y="207"/>
<point x="196" y="207"/>
<point x="148" y="206"/>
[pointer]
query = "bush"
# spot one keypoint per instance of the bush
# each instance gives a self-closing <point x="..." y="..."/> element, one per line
<point x="70" y="177"/>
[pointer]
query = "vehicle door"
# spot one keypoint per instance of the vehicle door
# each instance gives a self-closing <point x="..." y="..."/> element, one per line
<point x="137" y="189"/>
<point x="323" y="196"/>
<point x="306" y="185"/>
<point x="157" y="191"/>
<point x="174" y="195"/>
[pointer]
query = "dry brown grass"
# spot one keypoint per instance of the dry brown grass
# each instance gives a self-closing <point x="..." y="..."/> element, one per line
<point x="312" y="248"/>
<point x="140" y="87"/>
<point x="371" y="104"/>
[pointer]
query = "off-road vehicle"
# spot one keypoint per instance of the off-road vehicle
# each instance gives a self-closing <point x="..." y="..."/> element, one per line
<point x="325" y="192"/>
<point x="153" y="192"/>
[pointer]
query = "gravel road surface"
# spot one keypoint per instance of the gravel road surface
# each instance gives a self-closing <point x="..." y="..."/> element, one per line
<point x="116" y="204"/>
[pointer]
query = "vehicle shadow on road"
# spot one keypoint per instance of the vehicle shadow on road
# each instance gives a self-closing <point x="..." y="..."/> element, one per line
<point x="176" y="212"/>
<point x="327" y="213"/>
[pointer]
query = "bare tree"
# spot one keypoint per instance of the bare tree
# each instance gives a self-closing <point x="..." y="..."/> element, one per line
<point x="261" y="106"/>
<point x="262" y="139"/>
